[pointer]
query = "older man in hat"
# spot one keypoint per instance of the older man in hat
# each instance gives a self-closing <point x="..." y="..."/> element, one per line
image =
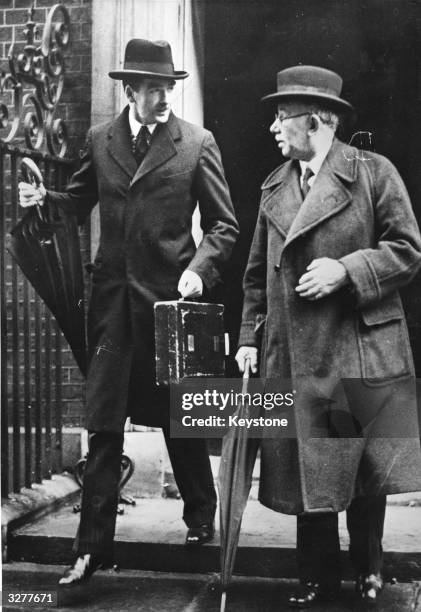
<point x="147" y="169"/>
<point x="335" y="240"/>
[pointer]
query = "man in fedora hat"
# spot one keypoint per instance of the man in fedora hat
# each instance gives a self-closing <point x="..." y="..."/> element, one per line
<point x="335" y="240"/>
<point x="147" y="169"/>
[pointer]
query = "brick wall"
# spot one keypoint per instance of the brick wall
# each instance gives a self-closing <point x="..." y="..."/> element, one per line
<point x="74" y="108"/>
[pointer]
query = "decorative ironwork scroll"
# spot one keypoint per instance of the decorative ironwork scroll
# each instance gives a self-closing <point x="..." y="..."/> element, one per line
<point x="40" y="67"/>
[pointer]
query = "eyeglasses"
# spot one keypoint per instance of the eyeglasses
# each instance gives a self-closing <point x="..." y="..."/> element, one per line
<point x="281" y="119"/>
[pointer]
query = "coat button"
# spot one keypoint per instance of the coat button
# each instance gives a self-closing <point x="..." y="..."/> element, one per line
<point x="277" y="268"/>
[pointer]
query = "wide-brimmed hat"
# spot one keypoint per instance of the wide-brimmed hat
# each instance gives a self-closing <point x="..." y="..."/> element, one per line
<point x="306" y="82"/>
<point x="150" y="59"/>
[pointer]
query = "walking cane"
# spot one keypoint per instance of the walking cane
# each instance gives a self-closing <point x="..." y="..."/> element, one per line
<point x="235" y="478"/>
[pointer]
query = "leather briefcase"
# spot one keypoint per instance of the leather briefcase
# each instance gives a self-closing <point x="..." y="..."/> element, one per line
<point x="189" y="340"/>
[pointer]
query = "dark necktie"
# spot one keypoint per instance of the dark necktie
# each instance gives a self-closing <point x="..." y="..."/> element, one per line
<point x="305" y="187"/>
<point x="142" y="142"/>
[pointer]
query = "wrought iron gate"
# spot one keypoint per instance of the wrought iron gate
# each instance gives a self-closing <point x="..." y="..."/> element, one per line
<point x="31" y="343"/>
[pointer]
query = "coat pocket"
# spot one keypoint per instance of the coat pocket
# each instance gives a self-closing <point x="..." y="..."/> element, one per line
<point x="383" y="343"/>
<point x="260" y="324"/>
<point x="176" y="175"/>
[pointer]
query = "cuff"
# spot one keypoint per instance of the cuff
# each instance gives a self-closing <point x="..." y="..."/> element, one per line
<point x="363" y="283"/>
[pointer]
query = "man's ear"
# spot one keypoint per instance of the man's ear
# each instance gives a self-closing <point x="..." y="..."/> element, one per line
<point x="314" y="122"/>
<point x="129" y="93"/>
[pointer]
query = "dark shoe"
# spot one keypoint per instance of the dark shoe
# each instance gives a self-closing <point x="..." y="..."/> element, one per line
<point x="81" y="571"/>
<point x="308" y="595"/>
<point x="196" y="536"/>
<point x="369" y="587"/>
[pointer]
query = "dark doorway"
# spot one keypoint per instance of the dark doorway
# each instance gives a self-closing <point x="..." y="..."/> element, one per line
<point x="373" y="44"/>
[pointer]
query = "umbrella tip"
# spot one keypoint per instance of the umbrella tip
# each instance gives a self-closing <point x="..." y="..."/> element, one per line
<point x="223" y="601"/>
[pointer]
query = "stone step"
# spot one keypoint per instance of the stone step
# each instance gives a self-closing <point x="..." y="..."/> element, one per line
<point x="150" y="536"/>
<point x="130" y="591"/>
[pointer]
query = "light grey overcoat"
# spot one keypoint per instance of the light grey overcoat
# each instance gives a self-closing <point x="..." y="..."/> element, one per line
<point x="348" y="354"/>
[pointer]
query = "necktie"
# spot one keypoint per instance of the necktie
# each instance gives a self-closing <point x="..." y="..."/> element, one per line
<point x="142" y="142"/>
<point x="305" y="187"/>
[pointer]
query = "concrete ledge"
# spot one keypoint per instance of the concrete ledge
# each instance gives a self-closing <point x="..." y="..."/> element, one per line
<point x="131" y="591"/>
<point x="150" y="536"/>
<point x="31" y="504"/>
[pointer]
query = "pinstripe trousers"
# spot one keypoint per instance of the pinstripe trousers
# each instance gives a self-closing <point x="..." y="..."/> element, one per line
<point x="192" y="473"/>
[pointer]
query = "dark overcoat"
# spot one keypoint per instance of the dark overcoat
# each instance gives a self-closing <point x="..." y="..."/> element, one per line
<point x="349" y="349"/>
<point x="145" y="245"/>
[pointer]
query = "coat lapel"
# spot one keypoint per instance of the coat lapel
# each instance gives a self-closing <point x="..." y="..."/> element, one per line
<point x="285" y="198"/>
<point x="329" y="193"/>
<point x="120" y="145"/>
<point x="162" y="148"/>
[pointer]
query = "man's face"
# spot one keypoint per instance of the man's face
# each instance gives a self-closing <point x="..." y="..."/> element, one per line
<point x="292" y="132"/>
<point x="152" y="100"/>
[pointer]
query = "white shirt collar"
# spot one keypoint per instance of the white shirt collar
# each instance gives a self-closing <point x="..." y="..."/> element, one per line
<point x="135" y="125"/>
<point x="316" y="163"/>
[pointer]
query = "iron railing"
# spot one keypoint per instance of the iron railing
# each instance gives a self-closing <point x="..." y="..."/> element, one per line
<point x="31" y="343"/>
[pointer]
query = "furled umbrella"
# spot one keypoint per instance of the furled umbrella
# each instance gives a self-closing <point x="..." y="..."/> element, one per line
<point x="45" y="245"/>
<point x="238" y="457"/>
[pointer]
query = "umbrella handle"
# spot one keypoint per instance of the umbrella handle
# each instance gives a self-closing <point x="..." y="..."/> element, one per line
<point x="32" y="174"/>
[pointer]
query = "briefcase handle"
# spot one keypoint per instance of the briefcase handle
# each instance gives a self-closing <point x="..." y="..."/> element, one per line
<point x="190" y="299"/>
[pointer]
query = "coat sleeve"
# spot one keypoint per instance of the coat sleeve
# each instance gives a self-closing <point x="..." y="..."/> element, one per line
<point x="81" y="193"/>
<point x="218" y="222"/>
<point x="254" y="285"/>
<point x="377" y="272"/>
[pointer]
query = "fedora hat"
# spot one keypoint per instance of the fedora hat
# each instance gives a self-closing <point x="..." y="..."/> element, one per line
<point x="305" y="82"/>
<point x="148" y="58"/>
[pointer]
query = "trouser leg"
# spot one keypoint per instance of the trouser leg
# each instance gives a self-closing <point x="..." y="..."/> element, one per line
<point x="365" y="522"/>
<point x="100" y="495"/>
<point x="192" y="472"/>
<point x="318" y="549"/>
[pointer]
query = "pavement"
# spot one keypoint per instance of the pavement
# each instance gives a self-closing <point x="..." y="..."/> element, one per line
<point x="159" y="573"/>
<point x="131" y="590"/>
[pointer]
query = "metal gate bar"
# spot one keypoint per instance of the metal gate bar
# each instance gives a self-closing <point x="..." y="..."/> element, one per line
<point x="4" y="402"/>
<point x="31" y="348"/>
<point x="27" y="382"/>
<point x="15" y="340"/>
